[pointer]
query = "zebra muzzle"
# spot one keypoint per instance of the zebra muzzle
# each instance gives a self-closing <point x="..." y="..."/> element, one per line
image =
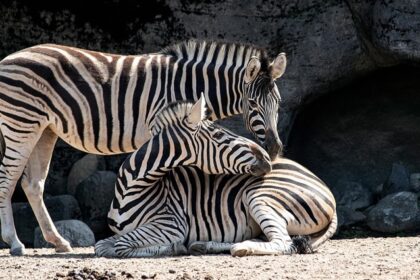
<point x="273" y="145"/>
<point x="262" y="164"/>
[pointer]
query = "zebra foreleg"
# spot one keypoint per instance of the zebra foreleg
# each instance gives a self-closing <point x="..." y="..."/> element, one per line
<point x="33" y="181"/>
<point x="209" y="247"/>
<point x="275" y="229"/>
<point x="151" y="240"/>
<point x="106" y="247"/>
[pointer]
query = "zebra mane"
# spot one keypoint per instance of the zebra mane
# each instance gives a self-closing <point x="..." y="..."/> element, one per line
<point x="171" y="114"/>
<point x="188" y="48"/>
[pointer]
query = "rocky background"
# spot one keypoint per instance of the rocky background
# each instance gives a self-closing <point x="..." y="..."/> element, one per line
<point x="351" y="95"/>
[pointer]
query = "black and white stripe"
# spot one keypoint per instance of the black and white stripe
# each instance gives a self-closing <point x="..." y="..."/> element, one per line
<point x="219" y="213"/>
<point x="104" y="103"/>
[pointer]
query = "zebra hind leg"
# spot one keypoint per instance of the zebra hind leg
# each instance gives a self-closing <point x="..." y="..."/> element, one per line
<point x="274" y="228"/>
<point x="151" y="240"/>
<point x="209" y="247"/>
<point x="33" y="181"/>
<point x="18" y="144"/>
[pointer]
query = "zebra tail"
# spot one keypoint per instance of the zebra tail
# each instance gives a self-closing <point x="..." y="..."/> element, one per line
<point x="327" y="234"/>
<point x="2" y="146"/>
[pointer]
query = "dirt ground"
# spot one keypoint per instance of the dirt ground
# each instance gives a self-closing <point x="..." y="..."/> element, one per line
<point x="365" y="258"/>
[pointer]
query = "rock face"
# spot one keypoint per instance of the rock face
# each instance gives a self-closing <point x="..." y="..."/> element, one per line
<point x="74" y="231"/>
<point x="395" y="28"/>
<point x="95" y="195"/>
<point x="395" y="212"/>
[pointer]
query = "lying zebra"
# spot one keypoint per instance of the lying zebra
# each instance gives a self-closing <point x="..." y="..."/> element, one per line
<point x="162" y="205"/>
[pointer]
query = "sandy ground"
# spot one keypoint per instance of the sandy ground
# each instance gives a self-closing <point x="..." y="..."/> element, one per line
<point x="367" y="258"/>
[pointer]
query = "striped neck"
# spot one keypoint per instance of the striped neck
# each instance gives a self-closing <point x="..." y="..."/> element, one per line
<point x="217" y="69"/>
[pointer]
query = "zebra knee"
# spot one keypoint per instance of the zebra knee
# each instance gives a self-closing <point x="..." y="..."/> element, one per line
<point x="105" y="249"/>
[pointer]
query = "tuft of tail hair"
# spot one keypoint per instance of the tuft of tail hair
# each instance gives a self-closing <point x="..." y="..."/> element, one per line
<point x="302" y="244"/>
<point x="2" y="146"/>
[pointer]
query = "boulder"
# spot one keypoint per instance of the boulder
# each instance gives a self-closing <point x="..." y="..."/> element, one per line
<point x="114" y="162"/>
<point x="398" y="180"/>
<point x="82" y="169"/>
<point x="395" y="212"/>
<point x="62" y="207"/>
<point x="352" y="195"/>
<point x="74" y="231"/>
<point x="94" y="196"/>
<point x="348" y="216"/>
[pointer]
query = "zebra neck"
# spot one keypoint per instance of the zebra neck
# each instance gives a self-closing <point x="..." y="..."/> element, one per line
<point x="162" y="153"/>
<point x="221" y="83"/>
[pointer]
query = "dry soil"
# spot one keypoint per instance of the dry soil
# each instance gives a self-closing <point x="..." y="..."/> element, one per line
<point x="364" y="258"/>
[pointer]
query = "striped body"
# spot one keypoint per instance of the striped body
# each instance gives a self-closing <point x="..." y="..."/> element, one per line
<point x="210" y="213"/>
<point x="104" y="104"/>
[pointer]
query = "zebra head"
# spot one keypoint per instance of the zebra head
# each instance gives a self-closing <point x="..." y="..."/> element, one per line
<point x="195" y="140"/>
<point x="261" y="101"/>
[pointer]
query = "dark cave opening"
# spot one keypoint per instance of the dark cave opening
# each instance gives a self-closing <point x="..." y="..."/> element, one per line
<point x="358" y="132"/>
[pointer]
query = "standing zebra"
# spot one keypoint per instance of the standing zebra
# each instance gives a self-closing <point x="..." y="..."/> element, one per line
<point x="161" y="205"/>
<point x="181" y="136"/>
<point x="104" y="104"/>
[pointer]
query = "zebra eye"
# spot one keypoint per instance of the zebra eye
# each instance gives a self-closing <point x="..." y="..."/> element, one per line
<point x="253" y="104"/>
<point x="218" y="135"/>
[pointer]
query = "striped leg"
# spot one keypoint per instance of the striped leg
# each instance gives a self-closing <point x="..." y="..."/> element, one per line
<point x="275" y="229"/>
<point x="33" y="180"/>
<point x="18" y="144"/>
<point x="151" y="240"/>
<point x="209" y="247"/>
<point x="106" y="247"/>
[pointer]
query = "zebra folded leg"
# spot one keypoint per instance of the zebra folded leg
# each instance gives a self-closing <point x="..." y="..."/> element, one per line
<point x="273" y="226"/>
<point x="33" y="180"/>
<point x="151" y="240"/>
<point x="106" y="247"/>
<point x="209" y="247"/>
<point x="13" y="161"/>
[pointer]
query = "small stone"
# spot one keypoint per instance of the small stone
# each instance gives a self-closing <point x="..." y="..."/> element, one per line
<point x="59" y="274"/>
<point x="128" y="275"/>
<point x="172" y="271"/>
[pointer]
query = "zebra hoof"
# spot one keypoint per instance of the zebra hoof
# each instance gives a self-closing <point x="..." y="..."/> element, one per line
<point x="240" y="251"/>
<point x="18" y="251"/>
<point x="197" y="248"/>
<point x="64" y="248"/>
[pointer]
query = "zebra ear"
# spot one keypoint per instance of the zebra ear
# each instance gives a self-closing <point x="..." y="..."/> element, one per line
<point x="198" y="111"/>
<point x="278" y="66"/>
<point x="252" y="69"/>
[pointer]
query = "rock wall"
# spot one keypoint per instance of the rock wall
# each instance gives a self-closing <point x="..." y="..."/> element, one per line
<point x="329" y="44"/>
